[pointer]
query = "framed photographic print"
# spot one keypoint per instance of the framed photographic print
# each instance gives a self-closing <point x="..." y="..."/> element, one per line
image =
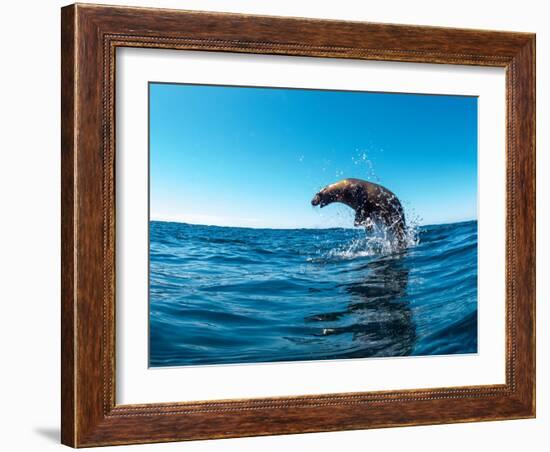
<point x="281" y="225"/>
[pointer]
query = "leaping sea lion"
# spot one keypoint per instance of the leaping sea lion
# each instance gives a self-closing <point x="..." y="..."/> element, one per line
<point x="372" y="204"/>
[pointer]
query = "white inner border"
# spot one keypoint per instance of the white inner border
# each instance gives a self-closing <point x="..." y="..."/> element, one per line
<point x="135" y="383"/>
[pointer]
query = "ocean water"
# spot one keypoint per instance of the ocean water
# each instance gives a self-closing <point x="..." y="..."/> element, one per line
<point x="222" y="295"/>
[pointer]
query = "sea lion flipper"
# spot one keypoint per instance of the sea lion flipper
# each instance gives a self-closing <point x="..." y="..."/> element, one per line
<point x="362" y="219"/>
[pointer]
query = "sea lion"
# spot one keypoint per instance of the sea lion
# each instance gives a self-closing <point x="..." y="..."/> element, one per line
<point x="373" y="204"/>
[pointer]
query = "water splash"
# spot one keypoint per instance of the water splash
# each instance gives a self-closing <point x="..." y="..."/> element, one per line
<point x="378" y="241"/>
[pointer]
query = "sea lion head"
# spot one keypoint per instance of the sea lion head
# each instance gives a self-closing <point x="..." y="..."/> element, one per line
<point x="329" y="194"/>
<point x="323" y="198"/>
<point x="318" y="200"/>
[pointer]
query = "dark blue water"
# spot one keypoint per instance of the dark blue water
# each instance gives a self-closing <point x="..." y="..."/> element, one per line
<point x="240" y="295"/>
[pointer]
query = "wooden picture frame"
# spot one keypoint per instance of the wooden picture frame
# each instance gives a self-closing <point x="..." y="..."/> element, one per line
<point x="90" y="36"/>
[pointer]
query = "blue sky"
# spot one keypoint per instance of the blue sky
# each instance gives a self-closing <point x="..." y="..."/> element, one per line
<point x="254" y="157"/>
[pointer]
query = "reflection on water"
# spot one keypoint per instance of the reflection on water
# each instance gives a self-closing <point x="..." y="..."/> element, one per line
<point x="382" y="322"/>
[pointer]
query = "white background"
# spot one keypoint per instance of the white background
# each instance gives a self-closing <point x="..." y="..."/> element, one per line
<point x="29" y="184"/>
<point x="137" y="384"/>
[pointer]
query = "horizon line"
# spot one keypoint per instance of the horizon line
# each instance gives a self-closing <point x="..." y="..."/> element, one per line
<point x="294" y="228"/>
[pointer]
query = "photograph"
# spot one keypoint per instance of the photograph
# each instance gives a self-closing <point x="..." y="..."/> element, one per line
<point x="290" y="224"/>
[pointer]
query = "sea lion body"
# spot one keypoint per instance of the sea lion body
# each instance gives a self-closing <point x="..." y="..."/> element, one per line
<point x="373" y="204"/>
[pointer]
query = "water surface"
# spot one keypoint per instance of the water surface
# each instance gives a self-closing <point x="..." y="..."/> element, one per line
<point x="241" y="295"/>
